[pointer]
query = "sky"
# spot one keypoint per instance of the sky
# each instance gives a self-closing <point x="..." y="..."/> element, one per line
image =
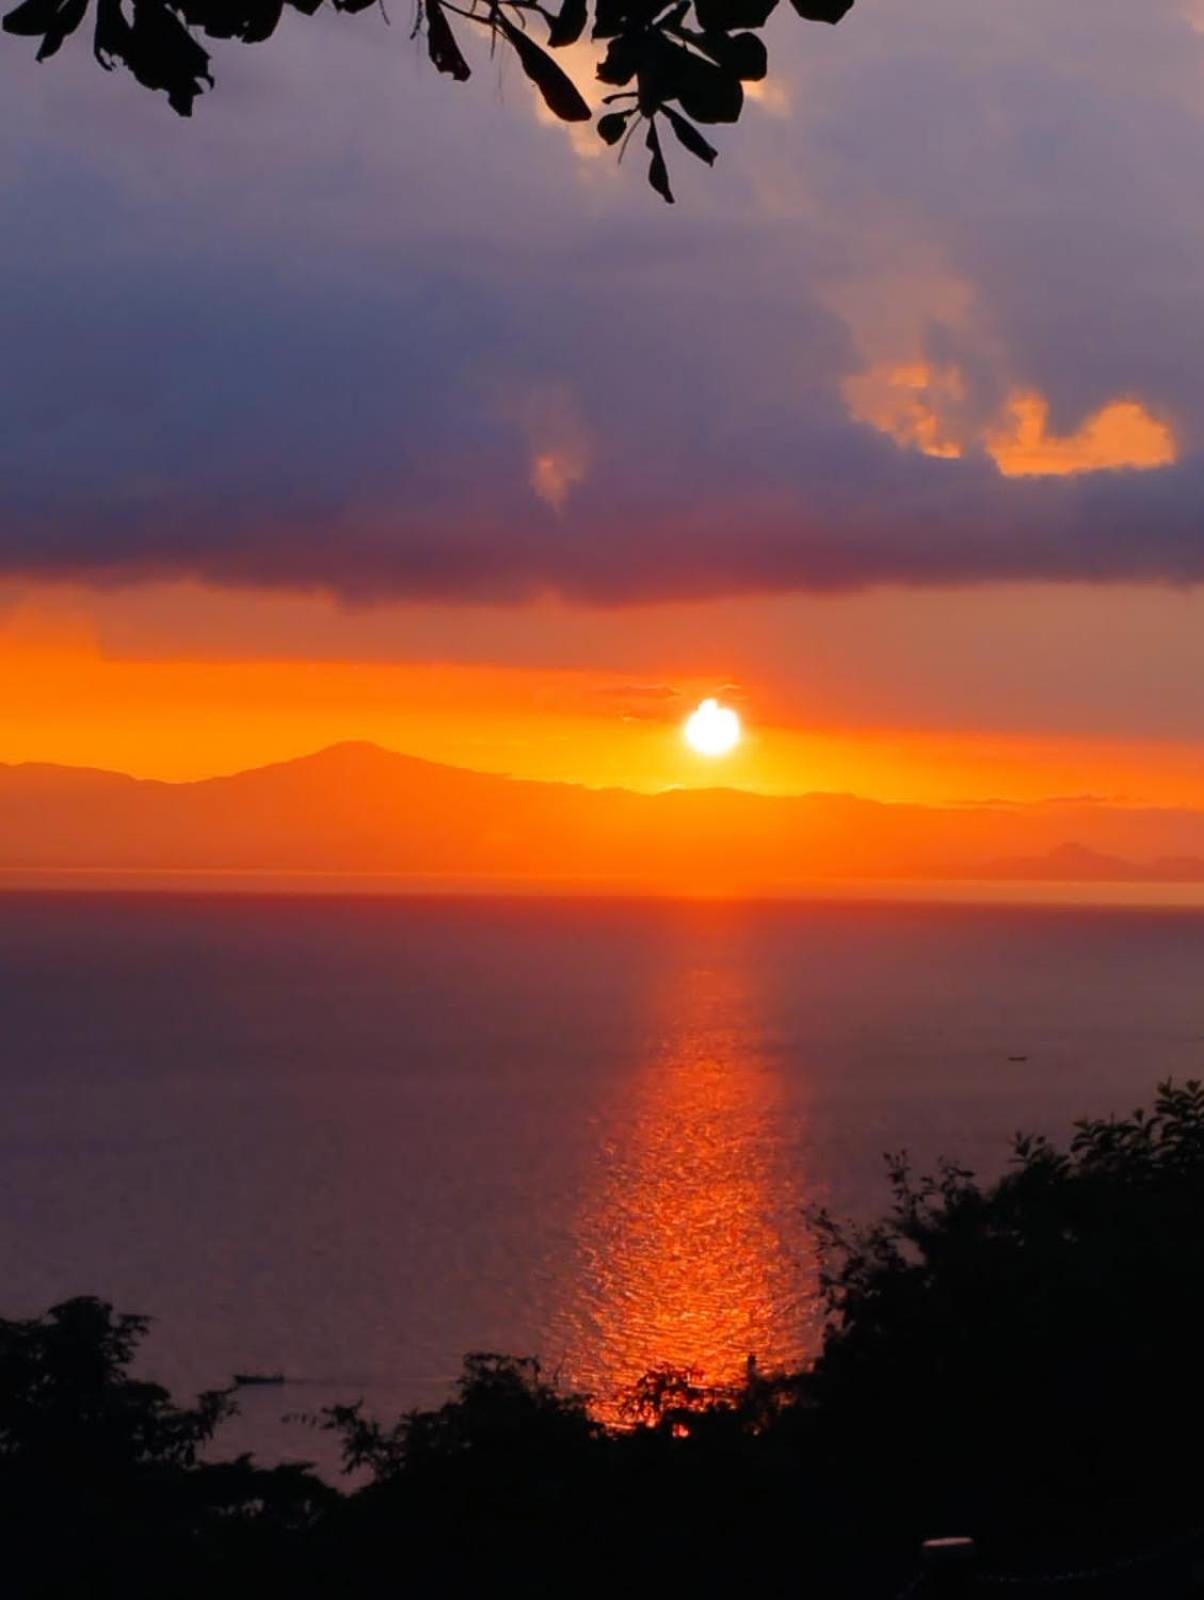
<point x="370" y="405"/>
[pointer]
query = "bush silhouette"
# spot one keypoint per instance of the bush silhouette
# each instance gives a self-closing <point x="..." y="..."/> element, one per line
<point x="101" y="1488"/>
<point x="1029" y="1347"/>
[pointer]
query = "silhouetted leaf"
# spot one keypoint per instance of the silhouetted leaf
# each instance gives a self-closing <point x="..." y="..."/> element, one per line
<point x="621" y="60"/>
<point x="741" y="53"/>
<point x="609" y="19"/>
<point x="53" y="19"/>
<point x="261" y="20"/>
<point x="559" y="92"/>
<point x="822" y="10"/>
<point x="32" y="18"/>
<point x="252" y="21"/>
<point x="690" y="137"/>
<point x="727" y="15"/>
<point x="707" y="92"/>
<point x="658" y="173"/>
<point x="157" y="48"/>
<point x="441" y="44"/>
<point x="568" y="27"/>
<point x="612" y="17"/>
<point x="108" y="39"/>
<point x="613" y="126"/>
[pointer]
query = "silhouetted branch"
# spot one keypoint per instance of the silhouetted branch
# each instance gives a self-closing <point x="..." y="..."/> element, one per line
<point x="685" y="61"/>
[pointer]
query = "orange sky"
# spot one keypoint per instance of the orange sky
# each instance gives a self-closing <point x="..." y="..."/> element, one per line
<point x="966" y="387"/>
<point x="187" y="682"/>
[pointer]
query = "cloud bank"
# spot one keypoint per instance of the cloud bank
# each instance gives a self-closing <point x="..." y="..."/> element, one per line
<point x="934" y="319"/>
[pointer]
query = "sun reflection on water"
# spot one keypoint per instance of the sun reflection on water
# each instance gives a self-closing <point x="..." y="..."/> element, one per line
<point x="693" y="1244"/>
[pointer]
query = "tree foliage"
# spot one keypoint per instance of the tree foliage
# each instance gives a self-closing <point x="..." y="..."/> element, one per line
<point x="670" y="64"/>
<point x="102" y="1489"/>
<point x="1032" y="1346"/>
<point x="1018" y="1360"/>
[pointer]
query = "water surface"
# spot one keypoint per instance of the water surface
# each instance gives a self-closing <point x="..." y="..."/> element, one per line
<point x="352" y="1138"/>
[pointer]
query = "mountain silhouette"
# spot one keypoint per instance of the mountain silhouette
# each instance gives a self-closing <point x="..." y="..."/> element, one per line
<point x="357" y="808"/>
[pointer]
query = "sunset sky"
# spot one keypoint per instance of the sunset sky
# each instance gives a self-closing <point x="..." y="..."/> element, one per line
<point x="366" y="405"/>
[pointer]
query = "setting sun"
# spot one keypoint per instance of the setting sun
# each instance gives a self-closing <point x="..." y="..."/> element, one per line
<point x="712" y="729"/>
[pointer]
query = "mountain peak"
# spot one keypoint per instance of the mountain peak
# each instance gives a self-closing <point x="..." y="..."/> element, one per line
<point x="348" y="750"/>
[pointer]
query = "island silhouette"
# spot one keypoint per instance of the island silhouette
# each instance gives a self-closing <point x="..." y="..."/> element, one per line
<point x="355" y="808"/>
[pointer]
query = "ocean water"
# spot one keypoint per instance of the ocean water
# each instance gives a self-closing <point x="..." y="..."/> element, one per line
<point x="350" y="1139"/>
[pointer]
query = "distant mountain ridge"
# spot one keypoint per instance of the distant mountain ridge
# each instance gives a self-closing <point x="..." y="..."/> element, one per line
<point x="1075" y="863"/>
<point x="358" y="808"/>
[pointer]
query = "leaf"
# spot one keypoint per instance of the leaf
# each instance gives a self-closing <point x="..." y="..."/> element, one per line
<point x="658" y="172"/>
<point x="613" y="126"/>
<point x="621" y="61"/>
<point x="559" y="92"/>
<point x="157" y="48"/>
<point x="30" y="19"/>
<point x="706" y="92"/>
<point x="568" y="27"/>
<point x="727" y="15"/>
<point x="252" y="21"/>
<point x="822" y="10"/>
<point x="55" y="20"/>
<point x="261" y="21"/>
<point x="741" y="53"/>
<point x="109" y="37"/>
<point x="689" y="136"/>
<point x="441" y="44"/>
<point x="612" y="17"/>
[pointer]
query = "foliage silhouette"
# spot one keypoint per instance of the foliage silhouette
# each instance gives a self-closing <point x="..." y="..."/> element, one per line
<point x="1032" y="1344"/>
<point x="101" y="1488"/>
<point x="672" y="63"/>
<point x="1017" y="1360"/>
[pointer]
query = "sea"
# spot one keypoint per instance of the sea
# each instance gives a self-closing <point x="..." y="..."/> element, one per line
<point x="347" y="1139"/>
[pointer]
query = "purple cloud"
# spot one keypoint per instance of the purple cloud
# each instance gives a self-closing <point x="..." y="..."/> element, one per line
<point x="356" y="329"/>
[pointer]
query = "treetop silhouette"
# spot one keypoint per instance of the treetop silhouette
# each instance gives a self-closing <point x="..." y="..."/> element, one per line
<point x="671" y="65"/>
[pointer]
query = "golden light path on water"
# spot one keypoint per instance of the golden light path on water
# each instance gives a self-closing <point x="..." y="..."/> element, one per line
<point x="693" y="1245"/>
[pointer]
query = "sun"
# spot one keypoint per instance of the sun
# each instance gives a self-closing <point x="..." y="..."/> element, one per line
<point x="712" y="729"/>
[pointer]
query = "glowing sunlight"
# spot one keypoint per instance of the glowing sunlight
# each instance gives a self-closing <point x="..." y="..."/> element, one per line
<point x="712" y="729"/>
<point x="694" y="1246"/>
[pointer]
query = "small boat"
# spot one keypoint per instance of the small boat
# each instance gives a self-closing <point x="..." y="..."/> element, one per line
<point x="251" y="1380"/>
<point x="1017" y="1058"/>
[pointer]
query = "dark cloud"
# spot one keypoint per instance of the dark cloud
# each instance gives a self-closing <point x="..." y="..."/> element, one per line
<point x="299" y="350"/>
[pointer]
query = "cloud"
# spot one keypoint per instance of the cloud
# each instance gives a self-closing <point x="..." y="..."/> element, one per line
<point x="415" y="347"/>
<point x="921" y="408"/>
<point x="558" y="441"/>
<point x="909" y="404"/>
<point x="1120" y="434"/>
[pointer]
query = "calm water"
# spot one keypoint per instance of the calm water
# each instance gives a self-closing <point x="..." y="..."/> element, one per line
<point x="350" y="1139"/>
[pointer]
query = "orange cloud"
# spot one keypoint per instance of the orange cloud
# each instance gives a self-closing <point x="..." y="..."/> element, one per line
<point x="1121" y="434"/>
<point x="917" y="405"/>
<point x="909" y="403"/>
